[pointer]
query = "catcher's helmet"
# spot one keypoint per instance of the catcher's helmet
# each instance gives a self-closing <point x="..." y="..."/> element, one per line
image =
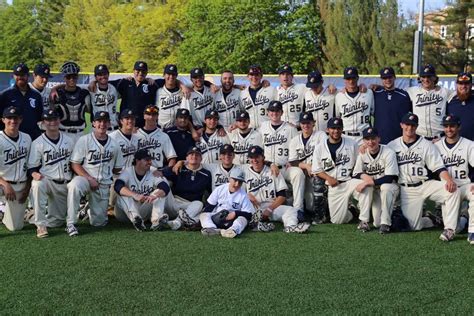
<point x="70" y="68"/>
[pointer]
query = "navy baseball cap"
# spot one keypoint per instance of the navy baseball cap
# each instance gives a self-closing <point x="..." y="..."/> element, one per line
<point x="237" y="174"/>
<point x="183" y="113"/>
<point x="451" y="119"/>
<point x="275" y="106"/>
<point x="50" y="114"/>
<point x="194" y="149"/>
<point x="370" y="132"/>
<point x="171" y="69"/>
<point x="351" y="72"/>
<point x="226" y="149"/>
<point x="127" y="113"/>
<point x="140" y="65"/>
<point x="255" y="70"/>
<point x="314" y="79"/>
<point x="101" y="69"/>
<point x="21" y="69"/>
<point x="12" y="111"/>
<point x="242" y="115"/>
<point x="410" y="119"/>
<point x="464" y="77"/>
<point x="101" y="115"/>
<point x="43" y="70"/>
<point x="151" y="110"/>
<point x="197" y="72"/>
<point x="335" y="122"/>
<point x="255" y="151"/>
<point x="387" y="72"/>
<point x="212" y="113"/>
<point x="306" y="117"/>
<point x="285" y="68"/>
<point x="142" y="154"/>
<point x="428" y="71"/>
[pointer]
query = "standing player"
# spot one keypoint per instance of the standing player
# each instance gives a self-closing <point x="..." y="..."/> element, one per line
<point x="429" y="103"/>
<point x="462" y="104"/>
<point x="276" y="136"/>
<point x="378" y="168"/>
<point x="211" y="142"/>
<point x="169" y="97"/>
<point x="255" y="98"/>
<point x="267" y="193"/>
<point x="154" y="140"/>
<point x="96" y="157"/>
<point x="244" y="137"/>
<point x="227" y="100"/>
<point x="14" y="185"/>
<point x="416" y="157"/>
<point x="290" y="95"/>
<point x="353" y="106"/>
<point x="333" y="161"/>
<point x="301" y="156"/>
<point x="233" y="201"/>
<point x="182" y="135"/>
<point x="458" y="157"/>
<point x="318" y="101"/>
<point x="41" y="76"/>
<point x="48" y="165"/>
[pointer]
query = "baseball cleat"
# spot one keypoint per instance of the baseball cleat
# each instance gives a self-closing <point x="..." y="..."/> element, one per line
<point x="29" y="215"/>
<point x="228" y="233"/>
<point x="41" y="232"/>
<point x="175" y="224"/>
<point x="384" y="229"/>
<point x="210" y="231"/>
<point x="470" y="238"/>
<point x="161" y="223"/>
<point x="83" y="214"/>
<point x="186" y="219"/>
<point x="363" y="226"/>
<point x="138" y="224"/>
<point x="264" y="227"/>
<point x="447" y="235"/>
<point x="72" y="230"/>
<point x="437" y="220"/>
<point x="298" y="228"/>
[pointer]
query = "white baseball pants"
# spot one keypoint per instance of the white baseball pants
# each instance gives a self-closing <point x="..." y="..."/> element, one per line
<point x="14" y="211"/>
<point x="49" y="201"/>
<point x="383" y="200"/>
<point x="338" y="200"/>
<point x="126" y="209"/>
<point x="296" y="178"/>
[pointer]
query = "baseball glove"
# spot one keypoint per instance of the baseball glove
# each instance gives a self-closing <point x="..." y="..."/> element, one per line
<point x="220" y="219"/>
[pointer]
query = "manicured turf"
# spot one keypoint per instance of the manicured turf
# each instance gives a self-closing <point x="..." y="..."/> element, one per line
<point x="332" y="269"/>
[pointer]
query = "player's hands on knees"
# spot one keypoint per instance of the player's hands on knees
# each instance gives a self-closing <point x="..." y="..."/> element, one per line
<point x="37" y="176"/>
<point x="148" y="199"/>
<point x="361" y="187"/>
<point x="138" y="197"/>
<point x="158" y="193"/>
<point x="230" y="216"/>
<point x="332" y="182"/>
<point x="24" y="195"/>
<point x="451" y="186"/>
<point x="93" y="183"/>
<point x="266" y="214"/>
<point x="10" y="194"/>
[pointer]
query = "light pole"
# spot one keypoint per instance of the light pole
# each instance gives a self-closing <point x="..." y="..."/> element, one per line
<point x="418" y="41"/>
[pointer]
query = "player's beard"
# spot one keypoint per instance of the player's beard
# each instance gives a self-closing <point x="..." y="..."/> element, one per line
<point x="463" y="96"/>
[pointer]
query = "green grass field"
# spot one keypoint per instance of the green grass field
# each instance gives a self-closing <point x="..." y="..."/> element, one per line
<point x="331" y="270"/>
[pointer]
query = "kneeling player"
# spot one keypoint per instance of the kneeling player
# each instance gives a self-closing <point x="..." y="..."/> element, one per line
<point x="229" y="208"/>
<point x="141" y="194"/>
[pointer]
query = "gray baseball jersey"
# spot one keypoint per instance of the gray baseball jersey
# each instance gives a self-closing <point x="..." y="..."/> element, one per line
<point x="106" y="101"/>
<point x="219" y="174"/>
<point x="384" y="164"/>
<point x="321" y="106"/>
<point x="145" y="185"/>
<point x="355" y="112"/>
<point x="168" y="104"/>
<point x="44" y="95"/>
<point x="242" y="144"/>
<point x="258" y="110"/>
<point x="276" y="143"/>
<point x="457" y="159"/>
<point x="14" y="157"/>
<point x="158" y="145"/>
<point x="263" y="185"/>
<point x="227" y="107"/>
<point x="292" y="100"/>
<point x="210" y="145"/>
<point x="198" y="104"/>
<point x="301" y="150"/>
<point x="128" y="146"/>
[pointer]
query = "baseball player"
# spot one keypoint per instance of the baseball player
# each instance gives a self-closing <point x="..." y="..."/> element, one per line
<point x="458" y="157"/>
<point x="14" y="185"/>
<point x="301" y="156"/>
<point x="416" y="156"/>
<point x="153" y="139"/>
<point x="210" y="141"/>
<point x="462" y="103"/>
<point x="229" y="200"/>
<point x="183" y="134"/>
<point x="244" y="137"/>
<point x="267" y="193"/>
<point x="255" y="98"/>
<point x="41" y="76"/>
<point x="169" y="97"/>
<point x="353" y="106"/>
<point x="318" y="101"/>
<point x="333" y="161"/>
<point x="227" y="101"/>
<point x="429" y="103"/>
<point x="378" y="168"/>
<point x="96" y="157"/>
<point x="290" y="95"/>
<point x="48" y="165"/>
<point x="142" y="195"/>
<point x="276" y="136"/>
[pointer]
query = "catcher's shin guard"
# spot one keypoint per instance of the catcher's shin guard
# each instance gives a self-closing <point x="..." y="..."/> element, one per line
<point x="320" y="198"/>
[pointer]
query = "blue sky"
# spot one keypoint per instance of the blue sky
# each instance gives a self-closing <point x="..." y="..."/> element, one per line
<point x="412" y="6"/>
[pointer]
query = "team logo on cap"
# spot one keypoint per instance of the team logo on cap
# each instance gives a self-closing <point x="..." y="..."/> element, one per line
<point x="369" y="130"/>
<point x="171" y="68"/>
<point x="305" y="116"/>
<point x="427" y="69"/>
<point x="100" y="67"/>
<point x="312" y="80"/>
<point x="349" y="71"/>
<point x="411" y="117"/>
<point x="285" y="67"/>
<point x="196" y="71"/>
<point x="46" y="71"/>
<point x="386" y="71"/>
<point x="12" y="111"/>
<point x="141" y="65"/>
<point x="50" y="112"/>
<point x="253" y="150"/>
<point x="336" y="121"/>
<point x="18" y="69"/>
<point x="448" y="118"/>
<point x="102" y="114"/>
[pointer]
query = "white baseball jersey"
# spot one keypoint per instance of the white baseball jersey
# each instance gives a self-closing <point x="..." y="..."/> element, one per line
<point x="198" y="104"/>
<point x="128" y="146"/>
<point x="263" y="185"/>
<point x="276" y="143"/>
<point x="457" y="159"/>
<point x="106" y="101"/>
<point x="258" y="110"/>
<point x="303" y="152"/>
<point x="225" y="200"/>
<point x="168" y="104"/>
<point x="430" y="106"/>
<point x="44" y="95"/>
<point x="145" y="186"/>
<point x="242" y="144"/>
<point x="355" y="112"/>
<point x="219" y="174"/>
<point x="321" y="106"/>
<point x="158" y="145"/>
<point x="292" y="99"/>
<point x="14" y="157"/>
<point x="98" y="160"/>
<point x="228" y="107"/>
<point x="52" y="158"/>
<point x="414" y="161"/>
<point x="340" y="169"/>
<point x="210" y="145"/>
<point x="384" y="164"/>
